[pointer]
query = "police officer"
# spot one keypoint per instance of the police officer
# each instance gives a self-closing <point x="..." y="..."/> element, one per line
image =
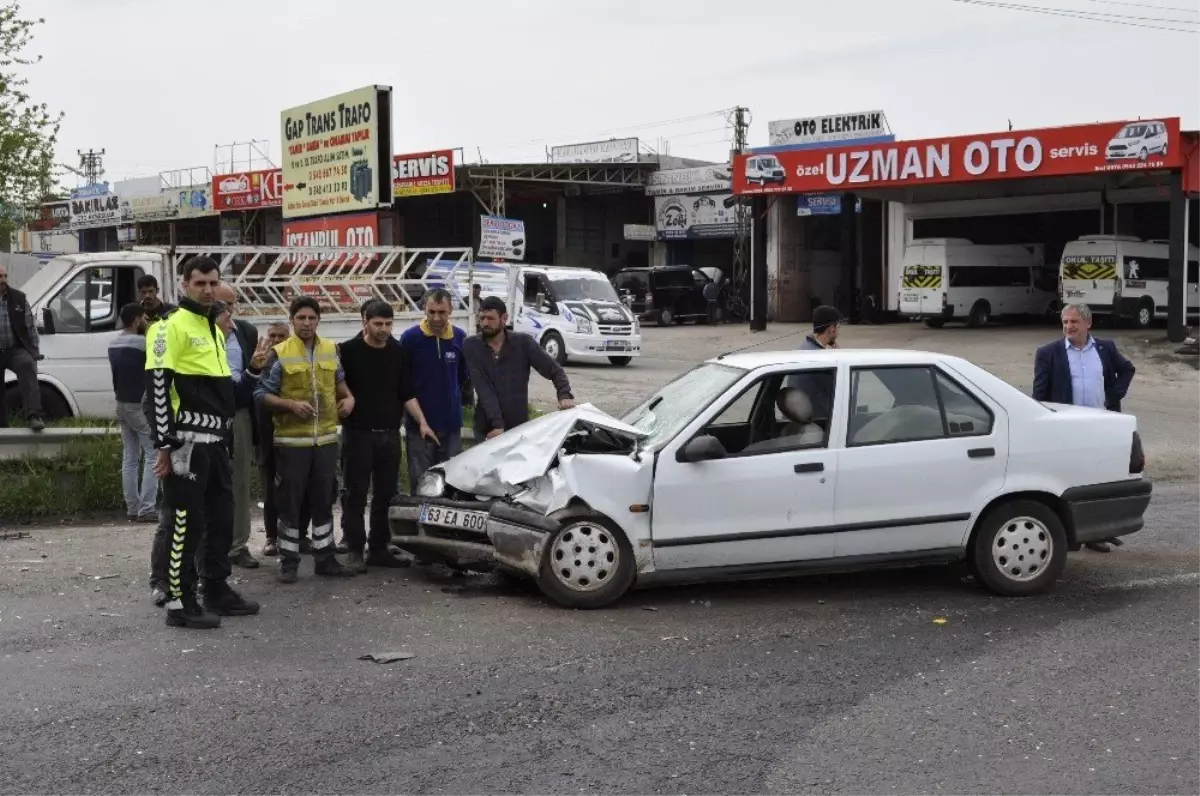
<point x="190" y="406"/>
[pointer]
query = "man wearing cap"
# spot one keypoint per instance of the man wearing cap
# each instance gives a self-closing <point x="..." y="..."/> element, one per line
<point x="826" y="323"/>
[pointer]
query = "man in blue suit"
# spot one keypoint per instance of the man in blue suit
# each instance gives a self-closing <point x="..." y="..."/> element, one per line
<point x="1083" y="371"/>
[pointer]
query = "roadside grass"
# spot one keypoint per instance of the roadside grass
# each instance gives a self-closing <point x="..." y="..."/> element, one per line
<point x="85" y="479"/>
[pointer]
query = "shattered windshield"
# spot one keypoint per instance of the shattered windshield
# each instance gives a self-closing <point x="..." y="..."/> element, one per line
<point x="665" y="413"/>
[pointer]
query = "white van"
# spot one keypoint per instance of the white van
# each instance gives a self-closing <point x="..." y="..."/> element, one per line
<point x="953" y="279"/>
<point x="762" y="169"/>
<point x="1138" y="140"/>
<point x="1124" y="277"/>
<point x="575" y="312"/>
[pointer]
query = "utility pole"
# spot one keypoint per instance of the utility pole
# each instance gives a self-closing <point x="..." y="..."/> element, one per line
<point x="740" y="276"/>
<point x="91" y="164"/>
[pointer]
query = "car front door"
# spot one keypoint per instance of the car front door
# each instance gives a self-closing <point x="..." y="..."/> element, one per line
<point x="923" y="454"/>
<point x="768" y="502"/>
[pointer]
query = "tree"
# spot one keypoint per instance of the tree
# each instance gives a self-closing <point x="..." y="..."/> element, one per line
<point x="28" y="132"/>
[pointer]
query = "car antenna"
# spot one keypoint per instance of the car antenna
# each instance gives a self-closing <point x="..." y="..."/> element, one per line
<point x="755" y="345"/>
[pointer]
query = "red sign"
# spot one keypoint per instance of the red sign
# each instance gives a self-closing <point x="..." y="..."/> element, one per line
<point x="423" y="173"/>
<point x="333" y="232"/>
<point x="1058" y="151"/>
<point x="248" y="190"/>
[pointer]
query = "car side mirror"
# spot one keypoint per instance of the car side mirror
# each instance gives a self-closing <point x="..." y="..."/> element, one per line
<point x="701" y="449"/>
<point x="47" y="321"/>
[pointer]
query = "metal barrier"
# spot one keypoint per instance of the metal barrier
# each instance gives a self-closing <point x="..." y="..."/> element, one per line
<point x="21" y="443"/>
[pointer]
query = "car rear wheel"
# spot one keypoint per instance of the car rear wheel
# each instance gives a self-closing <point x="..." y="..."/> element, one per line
<point x="552" y="344"/>
<point x="935" y="323"/>
<point x="1019" y="548"/>
<point x="620" y="361"/>
<point x="588" y="563"/>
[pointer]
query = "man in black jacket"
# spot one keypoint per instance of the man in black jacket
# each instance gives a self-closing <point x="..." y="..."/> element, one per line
<point x="1084" y="371"/>
<point x="246" y="360"/>
<point x="19" y="351"/>
<point x="500" y="362"/>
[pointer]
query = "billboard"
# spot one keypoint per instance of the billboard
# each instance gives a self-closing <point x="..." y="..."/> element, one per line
<point x="422" y="173"/>
<point x="616" y="150"/>
<point x="95" y="206"/>
<point x="1052" y="152"/>
<point x="700" y="179"/>
<point x="824" y="130"/>
<point x="334" y="151"/>
<point x="194" y="201"/>
<point x="332" y="232"/>
<point x="248" y="190"/>
<point x="501" y="238"/>
<point x="704" y="216"/>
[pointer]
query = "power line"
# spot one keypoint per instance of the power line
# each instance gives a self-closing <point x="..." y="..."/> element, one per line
<point x="1143" y="5"/>
<point x="1090" y="16"/>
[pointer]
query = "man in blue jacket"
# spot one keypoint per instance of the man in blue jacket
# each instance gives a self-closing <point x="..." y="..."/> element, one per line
<point x="443" y="385"/>
<point x="1082" y="370"/>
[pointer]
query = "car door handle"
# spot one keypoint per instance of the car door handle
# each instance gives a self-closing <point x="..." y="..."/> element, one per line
<point x="981" y="453"/>
<point x="811" y="467"/>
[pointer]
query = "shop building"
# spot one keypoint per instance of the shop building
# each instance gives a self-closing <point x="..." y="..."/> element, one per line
<point x="1043" y="187"/>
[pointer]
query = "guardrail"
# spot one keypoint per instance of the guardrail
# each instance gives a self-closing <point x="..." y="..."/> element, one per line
<point x="20" y="443"/>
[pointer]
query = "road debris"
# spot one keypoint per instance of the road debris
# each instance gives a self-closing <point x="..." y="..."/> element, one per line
<point x="386" y="657"/>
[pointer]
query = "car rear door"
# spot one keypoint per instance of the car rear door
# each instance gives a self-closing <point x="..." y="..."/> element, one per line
<point x="923" y="453"/>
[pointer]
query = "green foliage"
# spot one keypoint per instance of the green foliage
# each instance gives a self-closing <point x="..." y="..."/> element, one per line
<point x="85" y="479"/>
<point x="28" y="131"/>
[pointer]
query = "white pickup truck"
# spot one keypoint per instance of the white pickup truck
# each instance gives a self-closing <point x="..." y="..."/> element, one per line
<point x="77" y="301"/>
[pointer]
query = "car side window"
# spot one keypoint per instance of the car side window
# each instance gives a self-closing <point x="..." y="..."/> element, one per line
<point x="780" y="412"/>
<point x="910" y="404"/>
<point x="738" y="412"/>
<point x="69" y="305"/>
<point x="965" y="415"/>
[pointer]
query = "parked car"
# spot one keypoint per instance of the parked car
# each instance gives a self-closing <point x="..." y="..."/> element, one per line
<point x="774" y="462"/>
<point x="666" y="294"/>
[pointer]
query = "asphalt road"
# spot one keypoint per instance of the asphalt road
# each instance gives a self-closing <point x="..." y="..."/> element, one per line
<point x="899" y="682"/>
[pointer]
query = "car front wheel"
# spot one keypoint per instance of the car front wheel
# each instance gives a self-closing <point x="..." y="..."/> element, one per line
<point x="1019" y="549"/>
<point x="588" y="563"/>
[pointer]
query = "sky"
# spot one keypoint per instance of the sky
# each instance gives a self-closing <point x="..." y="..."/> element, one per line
<point x="161" y="84"/>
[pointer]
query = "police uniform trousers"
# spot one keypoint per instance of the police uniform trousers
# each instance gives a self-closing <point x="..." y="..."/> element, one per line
<point x="198" y="509"/>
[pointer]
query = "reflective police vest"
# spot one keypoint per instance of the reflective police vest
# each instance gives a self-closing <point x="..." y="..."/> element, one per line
<point x="312" y="379"/>
<point x="191" y="389"/>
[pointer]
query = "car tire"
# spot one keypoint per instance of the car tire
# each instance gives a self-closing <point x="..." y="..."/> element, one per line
<point x="981" y="313"/>
<point x="620" y="361"/>
<point x="935" y="323"/>
<point x="1019" y="548"/>
<point x="1143" y="318"/>
<point x="666" y="317"/>
<point x="552" y="344"/>
<point x="603" y="572"/>
<point x="54" y="406"/>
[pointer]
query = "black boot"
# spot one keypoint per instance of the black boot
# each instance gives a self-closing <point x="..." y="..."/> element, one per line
<point x="330" y="567"/>
<point x="221" y="599"/>
<point x="190" y="614"/>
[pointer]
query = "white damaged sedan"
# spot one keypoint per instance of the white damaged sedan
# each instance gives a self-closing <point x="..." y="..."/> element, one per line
<point x="760" y="464"/>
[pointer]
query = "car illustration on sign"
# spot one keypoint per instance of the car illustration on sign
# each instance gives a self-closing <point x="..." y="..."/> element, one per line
<point x="753" y="464"/>
<point x="1138" y="140"/>
<point x="762" y="169"/>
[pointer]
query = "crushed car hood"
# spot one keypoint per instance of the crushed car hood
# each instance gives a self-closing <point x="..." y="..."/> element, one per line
<point x="498" y="467"/>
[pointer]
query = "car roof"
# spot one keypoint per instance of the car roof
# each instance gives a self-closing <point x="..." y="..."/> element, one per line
<point x="752" y="360"/>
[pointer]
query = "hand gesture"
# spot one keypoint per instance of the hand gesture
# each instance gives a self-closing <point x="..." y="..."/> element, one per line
<point x="303" y="410"/>
<point x="495" y="432"/>
<point x="346" y="406"/>
<point x="428" y="433"/>
<point x="258" y="359"/>
<point x="565" y="403"/>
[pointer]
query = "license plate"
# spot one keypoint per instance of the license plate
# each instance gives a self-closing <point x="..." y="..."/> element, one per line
<point x="454" y="518"/>
<point x="618" y="345"/>
<point x="911" y="298"/>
